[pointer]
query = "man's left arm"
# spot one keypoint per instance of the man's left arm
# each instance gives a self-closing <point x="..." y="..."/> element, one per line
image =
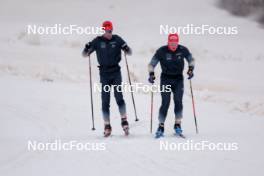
<point x="124" y="46"/>
<point x="191" y="63"/>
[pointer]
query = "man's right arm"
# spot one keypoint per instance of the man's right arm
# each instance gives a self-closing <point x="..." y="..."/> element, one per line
<point x="89" y="48"/>
<point x="151" y="66"/>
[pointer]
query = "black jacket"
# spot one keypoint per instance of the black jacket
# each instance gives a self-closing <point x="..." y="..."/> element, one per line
<point x="172" y="62"/>
<point x="108" y="52"/>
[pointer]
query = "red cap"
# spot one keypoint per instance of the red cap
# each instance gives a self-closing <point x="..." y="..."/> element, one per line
<point x="173" y="38"/>
<point x="107" y="25"/>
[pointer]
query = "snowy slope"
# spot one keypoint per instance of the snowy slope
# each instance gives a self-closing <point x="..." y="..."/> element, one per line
<point x="45" y="91"/>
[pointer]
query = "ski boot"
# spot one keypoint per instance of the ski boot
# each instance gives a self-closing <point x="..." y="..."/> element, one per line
<point x="107" y="130"/>
<point x="178" y="130"/>
<point x="125" y="126"/>
<point x="160" y="131"/>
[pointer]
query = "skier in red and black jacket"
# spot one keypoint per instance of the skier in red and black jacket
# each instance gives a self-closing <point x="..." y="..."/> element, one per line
<point x="171" y="58"/>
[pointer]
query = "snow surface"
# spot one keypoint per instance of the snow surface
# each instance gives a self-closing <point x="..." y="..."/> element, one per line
<point x="45" y="91"/>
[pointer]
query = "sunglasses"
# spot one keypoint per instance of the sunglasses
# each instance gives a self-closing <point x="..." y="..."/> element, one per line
<point x="108" y="31"/>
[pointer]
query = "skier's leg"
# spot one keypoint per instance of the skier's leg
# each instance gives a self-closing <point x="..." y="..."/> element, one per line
<point x="105" y="96"/>
<point x="165" y="103"/>
<point x="177" y="97"/>
<point x="120" y="102"/>
<point x="178" y="107"/>
<point x="119" y="95"/>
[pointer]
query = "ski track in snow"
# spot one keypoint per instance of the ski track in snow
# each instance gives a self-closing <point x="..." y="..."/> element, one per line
<point x="138" y="152"/>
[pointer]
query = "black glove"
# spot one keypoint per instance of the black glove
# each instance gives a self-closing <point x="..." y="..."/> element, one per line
<point x="127" y="50"/>
<point x="151" y="77"/>
<point x="86" y="50"/>
<point x="190" y="72"/>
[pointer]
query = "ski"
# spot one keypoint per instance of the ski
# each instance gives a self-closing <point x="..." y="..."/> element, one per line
<point x="159" y="134"/>
<point x="180" y="135"/>
<point x="107" y="135"/>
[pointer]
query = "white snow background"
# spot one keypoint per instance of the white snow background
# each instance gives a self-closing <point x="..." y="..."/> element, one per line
<point x="44" y="83"/>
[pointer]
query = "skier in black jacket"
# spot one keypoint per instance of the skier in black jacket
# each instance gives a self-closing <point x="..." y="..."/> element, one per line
<point x="171" y="58"/>
<point x="108" y="50"/>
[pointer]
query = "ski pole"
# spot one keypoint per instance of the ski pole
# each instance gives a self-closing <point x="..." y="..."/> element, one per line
<point x="132" y="95"/>
<point x="194" y="114"/>
<point x="151" y="111"/>
<point x="91" y="93"/>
